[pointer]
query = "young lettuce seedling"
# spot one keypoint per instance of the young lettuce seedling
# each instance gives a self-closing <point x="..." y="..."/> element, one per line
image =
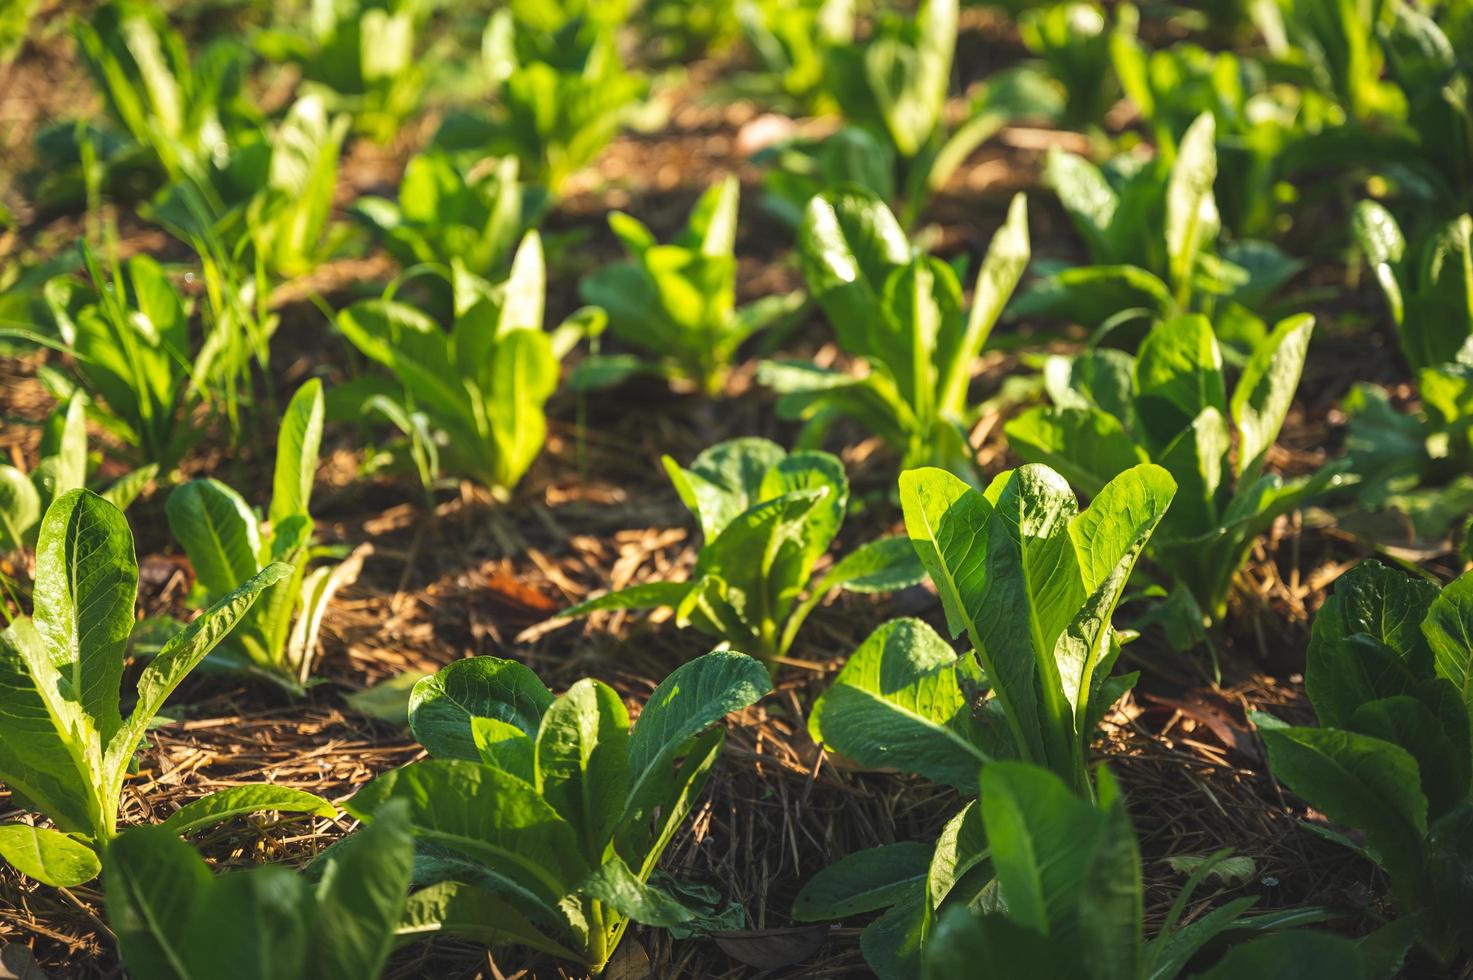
<point x="1033" y="582"/>
<point x="677" y="302"/>
<point x="892" y="83"/>
<point x="563" y="95"/>
<point x="901" y="313"/>
<point x="1152" y="234"/>
<point x="787" y="38"/>
<point x="67" y="747"/>
<point x="175" y="920"/>
<point x="1073" y="40"/>
<point x="452" y="211"/>
<point x="359" y="55"/>
<point x="227" y="545"/>
<point x="178" y="112"/>
<point x="1070" y="900"/>
<point x="766" y="518"/>
<point x="483" y="383"/>
<point x="1266" y="132"/>
<point x="1390" y="675"/>
<point x="1169" y="404"/>
<point x="541" y="820"/>
<point x="1420" y="464"/>
<point x="24" y="497"/>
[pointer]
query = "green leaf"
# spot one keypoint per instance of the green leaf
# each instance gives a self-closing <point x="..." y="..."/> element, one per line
<point x="456" y="909"/>
<point x="360" y="899"/>
<point x="180" y="655"/>
<point x="86" y="586"/>
<point x="70" y="469"/>
<point x="865" y="881"/>
<point x="724" y="480"/>
<point x="414" y="347"/>
<point x="1007" y="257"/>
<point x="20" y="508"/>
<point x="218" y="531"/>
<point x="489" y="816"/>
<point x="898" y="704"/>
<point x="1381" y="241"/>
<point x="1297" y="955"/>
<point x="268" y="910"/>
<point x="1386" y="607"/>
<point x="1362" y="782"/>
<point x="237" y="801"/>
<point x="960" y="850"/>
<point x="848" y="244"/>
<point x="49" y="753"/>
<point x="646" y="595"/>
<point x="1191" y="212"/>
<point x="297" y="446"/>
<point x="1086" y="445"/>
<point x="882" y="565"/>
<point x="1048" y="848"/>
<point x="1448" y="627"/>
<point x="126" y="488"/>
<point x="1088" y="198"/>
<point x="442" y="707"/>
<point x="1178" y="375"/>
<point x="582" y="761"/>
<point x="618" y="888"/>
<point x="967" y="943"/>
<point x="1266" y="390"/>
<point x="892" y="943"/>
<point x="523" y="374"/>
<point x="1441" y="755"/>
<point x="49" y="856"/>
<point x="154" y="883"/>
<point x="695" y="695"/>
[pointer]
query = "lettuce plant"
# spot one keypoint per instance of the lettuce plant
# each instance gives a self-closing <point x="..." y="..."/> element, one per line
<point x="677" y="302"/>
<point x="180" y="112"/>
<point x="788" y="38"/>
<point x="893" y="83"/>
<point x="67" y="747"/>
<point x="562" y="96"/>
<point x="1336" y="40"/>
<point x="482" y="384"/>
<point x="1266" y="132"/>
<point x="1070" y="899"/>
<point x="62" y="467"/>
<point x="541" y="821"/>
<point x="227" y="545"/>
<point x="1416" y="463"/>
<point x="1428" y="282"/>
<point x="1390" y="675"/>
<point x="901" y="314"/>
<point x="129" y="332"/>
<point x="450" y="211"/>
<point x="1151" y="230"/>
<point x="1169" y="404"/>
<point x="360" y="56"/>
<point x="175" y="920"/>
<point x="767" y="517"/>
<point x="1073" y="40"/>
<point x="1032" y="582"/>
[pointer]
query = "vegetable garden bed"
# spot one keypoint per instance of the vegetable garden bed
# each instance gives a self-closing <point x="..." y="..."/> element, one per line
<point x="872" y="489"/>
